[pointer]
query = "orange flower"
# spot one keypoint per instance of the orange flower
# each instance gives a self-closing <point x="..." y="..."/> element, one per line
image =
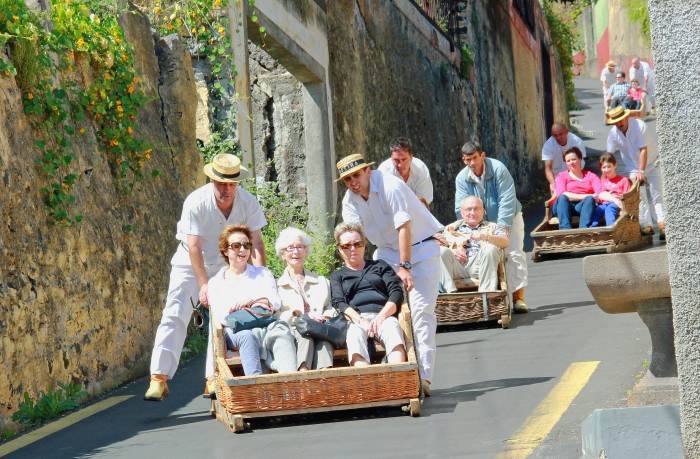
<point x="115" y="143"/>
<point x="169" y="27"/>
<point x="131" y="89"/>
<point x="136" y="80"/>
<point x="119" y="160"/>
<point x="30" y="96"/>
<point x="80" y="42"/>
<point x="149" y="150"/>
<point x="130" y="130"/>
<point x="120" y="108"/>
<point x="82" y="130"/>
<point x="148" y="156"/>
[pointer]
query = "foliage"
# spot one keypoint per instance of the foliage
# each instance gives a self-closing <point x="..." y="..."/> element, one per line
<point x="217" y="144"/>
<point x="50" y="404"/>
<point x="48" y="66"/>
<point x="467" y="60"/>
<point x="282" y="212"/>
<point x="564" y="35"/>
<point x="195" y="344"/>
<point x="639" y="13"/>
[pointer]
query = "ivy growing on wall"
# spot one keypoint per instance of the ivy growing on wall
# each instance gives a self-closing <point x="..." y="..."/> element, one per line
<point x="46" y="62"/>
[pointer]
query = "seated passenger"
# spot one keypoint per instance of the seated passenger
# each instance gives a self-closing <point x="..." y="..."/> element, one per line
<point x="478" y="248"/>
<point x="370" y="294"/>
<point x="303" y="292"/>
<point x="636" y="93"/>
<point x="235" y="287"/>
<point x="577" y="192"/>
<point x="613" y="186"/>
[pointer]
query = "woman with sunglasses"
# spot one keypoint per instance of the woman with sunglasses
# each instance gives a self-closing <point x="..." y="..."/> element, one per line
<point x="303" y="292"/>
<point x="369" y="293"/>
<point x="240" y="285"/>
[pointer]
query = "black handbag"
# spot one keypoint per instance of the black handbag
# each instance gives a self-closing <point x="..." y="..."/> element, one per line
<point x="334" y="329"/>
<point x="250" y="317"/>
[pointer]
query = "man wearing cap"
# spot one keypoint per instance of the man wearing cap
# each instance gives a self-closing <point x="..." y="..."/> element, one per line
<point x="408" y="168"/>
<point x="402" y="228"/>
<point x="554" y="148"/>
<point x="639" y="149"/>
<point x="205" y="213"/>
<point x="489" y="180"/>
<point x="607" y="76"/>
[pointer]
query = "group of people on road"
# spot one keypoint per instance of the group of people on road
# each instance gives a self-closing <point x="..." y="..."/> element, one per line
<point x="639" y="91"/>
<point x="597" y="200"/>
<point x="220" y="260"/>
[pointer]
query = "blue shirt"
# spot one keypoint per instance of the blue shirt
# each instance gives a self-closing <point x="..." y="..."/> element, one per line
<point x="498" y="196"/>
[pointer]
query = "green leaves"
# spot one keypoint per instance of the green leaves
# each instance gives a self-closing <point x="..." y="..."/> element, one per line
<point x="50" y="404"/>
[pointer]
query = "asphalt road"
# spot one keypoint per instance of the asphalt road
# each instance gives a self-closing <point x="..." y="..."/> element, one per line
<point x="487" y="398"/>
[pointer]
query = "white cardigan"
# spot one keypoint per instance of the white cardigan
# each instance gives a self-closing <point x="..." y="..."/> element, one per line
<point x="318" y="294"/>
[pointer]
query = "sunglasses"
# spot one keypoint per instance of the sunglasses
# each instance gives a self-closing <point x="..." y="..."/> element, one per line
<point x="349" y="245"/>
<point x="238" y="245"/>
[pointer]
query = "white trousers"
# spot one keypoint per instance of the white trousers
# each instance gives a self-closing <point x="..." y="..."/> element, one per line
<point x="516" y="263"/>
<point x="653" y="187"/>
<point x="172" y="331"/>
<point x="426" y="278"/>
<point x="390" y="334"/>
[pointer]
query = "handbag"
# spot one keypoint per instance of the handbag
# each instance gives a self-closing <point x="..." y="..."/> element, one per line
<point x="250" y="317"/>
<point x="334" y="329"/>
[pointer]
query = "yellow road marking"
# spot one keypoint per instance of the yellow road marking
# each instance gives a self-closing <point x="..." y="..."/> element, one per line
<point x="538" y="425"/>
<point x="62" y="423"/>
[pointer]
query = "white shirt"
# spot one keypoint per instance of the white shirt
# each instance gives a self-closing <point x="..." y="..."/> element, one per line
<point x="391" y="204"/>
<point x="202" y="217"/>
<point x="637" y="136"/>
<point x="651" y="88"/>
<point x="637" y="74"/>
<point x="609" y="77"/>
<point x="418" y="179"/>
<point x="552" y="151"/>
<point x="227" y="290"/>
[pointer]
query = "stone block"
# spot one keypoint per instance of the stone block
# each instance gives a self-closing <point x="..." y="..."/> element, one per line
<point x="645" y="432"/>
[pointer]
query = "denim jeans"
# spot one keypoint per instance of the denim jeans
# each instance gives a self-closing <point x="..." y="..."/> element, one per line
<point x="247" y="346"/>
<point x="609" y="210"/>
<point x="564" y="209"/>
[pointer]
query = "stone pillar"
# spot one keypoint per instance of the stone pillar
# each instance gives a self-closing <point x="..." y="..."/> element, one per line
<point x="675" y="45"/>
<point x="320" y="187"/>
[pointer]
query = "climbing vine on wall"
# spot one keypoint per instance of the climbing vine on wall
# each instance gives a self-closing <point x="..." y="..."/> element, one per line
<point x="638" y="12"/>
<point x="60" y="99"/>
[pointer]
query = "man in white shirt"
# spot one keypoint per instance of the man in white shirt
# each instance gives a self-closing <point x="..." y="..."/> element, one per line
<point x="608" y="77"/>
<point x="403" y="230"/>
<point x="205" y="213"/>
<point x="410" y="169"/>
<point x="553" y="149"/>
<point x="639" y="149"/>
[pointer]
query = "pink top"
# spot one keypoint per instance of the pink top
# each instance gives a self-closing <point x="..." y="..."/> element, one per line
<point x="616" y="186"/>
<point x="589" y="184"/>
<point x="636" y="93"/>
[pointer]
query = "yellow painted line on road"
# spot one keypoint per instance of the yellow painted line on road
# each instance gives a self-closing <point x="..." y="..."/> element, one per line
<point x="62" y="423"/>
<point x="543" y="419"/>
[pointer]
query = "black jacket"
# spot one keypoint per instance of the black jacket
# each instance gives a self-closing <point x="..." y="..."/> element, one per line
<point x="366" y="290"/>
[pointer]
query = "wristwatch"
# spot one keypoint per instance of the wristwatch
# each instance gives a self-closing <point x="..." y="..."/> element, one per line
<point x="405" y="265"/>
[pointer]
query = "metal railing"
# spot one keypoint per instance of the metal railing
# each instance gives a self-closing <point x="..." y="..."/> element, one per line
<point x="445" y="15"/>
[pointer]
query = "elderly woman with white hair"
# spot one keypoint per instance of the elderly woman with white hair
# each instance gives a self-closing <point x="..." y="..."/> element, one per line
<point x="303" y="292"/>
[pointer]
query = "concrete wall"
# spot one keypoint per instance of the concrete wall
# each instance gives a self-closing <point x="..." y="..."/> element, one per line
<point x="676" y="60"/>
<point x="82" y="303"/>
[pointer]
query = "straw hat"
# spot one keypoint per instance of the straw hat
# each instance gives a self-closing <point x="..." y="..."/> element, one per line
<point x="617" y="114"/>
<point x="611" y="64"/>
<point x="350" y="164"/>
<point x="226" y="168"/>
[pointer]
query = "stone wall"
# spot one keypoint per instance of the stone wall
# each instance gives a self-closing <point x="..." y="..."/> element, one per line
<point x="82" y="303"/>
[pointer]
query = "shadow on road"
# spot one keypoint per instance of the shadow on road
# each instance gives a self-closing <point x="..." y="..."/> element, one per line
<point x="446" y="400"/>
<point x="545" y="312"/>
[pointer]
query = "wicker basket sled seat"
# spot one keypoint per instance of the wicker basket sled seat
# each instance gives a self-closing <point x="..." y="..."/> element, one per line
<point x="239" y="397"/>
<point x="468" y="305"/>
<point x="622" y="236"/>
<point x="638" y="113"/>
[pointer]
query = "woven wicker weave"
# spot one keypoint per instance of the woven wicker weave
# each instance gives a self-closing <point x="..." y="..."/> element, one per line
<point x="468" y="307"/>
<point x="241" y="397"/>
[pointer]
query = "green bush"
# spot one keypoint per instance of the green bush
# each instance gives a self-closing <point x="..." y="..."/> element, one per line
<point x="50" y="404"/>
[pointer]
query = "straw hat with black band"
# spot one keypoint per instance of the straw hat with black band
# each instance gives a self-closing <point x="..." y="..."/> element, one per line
<point x="226" y="168"/>
<point x="350" y="164"/>
<point x="612" y="64"/>
<point x="617" y="114"/>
